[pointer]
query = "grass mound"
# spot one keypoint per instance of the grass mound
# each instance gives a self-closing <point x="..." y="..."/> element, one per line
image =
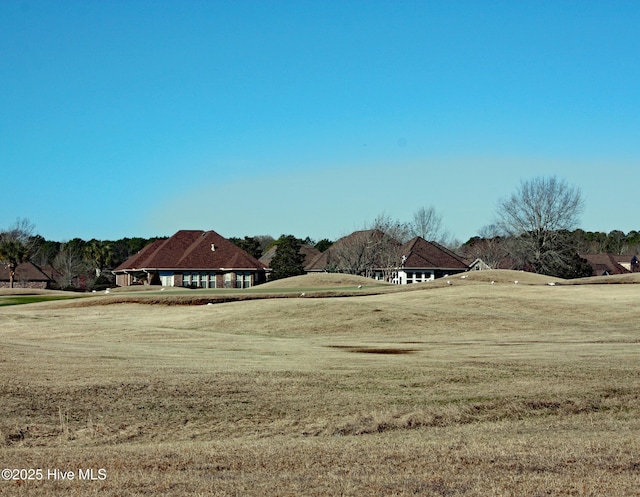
<point x="508" y="276"/>
<point x="320" y="280"/>
<point x="606" y="280"/>
<point x="471" y="389"/>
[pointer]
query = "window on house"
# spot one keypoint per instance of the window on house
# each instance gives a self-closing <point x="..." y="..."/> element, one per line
<point x="243" y="280"/>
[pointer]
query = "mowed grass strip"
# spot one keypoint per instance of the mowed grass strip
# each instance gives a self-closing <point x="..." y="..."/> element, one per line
<point x="493" y="390"/>
<point x="32" y="299"/>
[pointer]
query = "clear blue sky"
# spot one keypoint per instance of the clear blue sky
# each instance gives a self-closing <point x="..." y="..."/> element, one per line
<point x="139" y="118"/>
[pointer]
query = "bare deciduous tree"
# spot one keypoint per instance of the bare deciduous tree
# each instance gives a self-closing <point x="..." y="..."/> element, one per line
<point x="70" y="264"/>
<point x="356" y="253"/>
<point x="373" y="249"/>
<point x="490" y="247"/>
<point x="389" y="247"/>
<point x="427" y="223"/>
<point x="535" y="218"/>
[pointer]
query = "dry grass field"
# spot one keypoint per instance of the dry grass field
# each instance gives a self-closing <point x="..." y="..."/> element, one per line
<point x="464" y="388"/>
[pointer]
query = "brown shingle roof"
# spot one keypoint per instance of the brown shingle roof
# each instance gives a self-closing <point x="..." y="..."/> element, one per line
<point x="192" y="249"/>
<point x="325" y="259"/>
<point x="604" y="264"/>
<point x="27" y="271"/>
<point x="422" y="254"/>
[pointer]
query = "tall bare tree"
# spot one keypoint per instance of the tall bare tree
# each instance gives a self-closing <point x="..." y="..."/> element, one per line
<point x="356" y="253"/>
<point x="537" y="218"/>
<point x="427" y="223"/>
<point x="389" y="247"/>
<point x="71" y="265"/>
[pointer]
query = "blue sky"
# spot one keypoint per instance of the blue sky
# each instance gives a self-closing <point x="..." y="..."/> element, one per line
<point x="140" y="118"/>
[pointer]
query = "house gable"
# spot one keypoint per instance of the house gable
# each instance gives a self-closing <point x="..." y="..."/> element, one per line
<point x="421" y="254"/>
<point x="604" y="264"/>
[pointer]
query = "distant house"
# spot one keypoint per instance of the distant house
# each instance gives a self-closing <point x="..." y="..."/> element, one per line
<point x="358" y="253"/>
<point x="607" y="264"/>
<point x="29" y="275"/>
<point x="629" y="262"/>
<point x="194" y="259"/>
<point x="361" y="253"/>
<point x="479" y="264"/>
<point x="425" y="261"/>
<point x="309" y="252"/>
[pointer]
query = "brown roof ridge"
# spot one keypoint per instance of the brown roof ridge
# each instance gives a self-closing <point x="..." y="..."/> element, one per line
<point x="144" y="254"/>
<point x="194" y="245"/>
<point x="27" y="270"/>
<point x="191" y="249"/>
<point x="448" y="251"/>
<point x="423" y="253"/>
<point x="605" y="261"/>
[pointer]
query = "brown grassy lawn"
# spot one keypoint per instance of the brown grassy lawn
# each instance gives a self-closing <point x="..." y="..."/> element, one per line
<point x="457" y="390"/>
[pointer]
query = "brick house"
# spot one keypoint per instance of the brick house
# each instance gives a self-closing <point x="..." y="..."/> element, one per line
<point x="415" y="261"/>
<point x="608" y="264"/>
<point x="425" y="261"/>
<point x="194" y="259"/>
<point x="29" y="275"/>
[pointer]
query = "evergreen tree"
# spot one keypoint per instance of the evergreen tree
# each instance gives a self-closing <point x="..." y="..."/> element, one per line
<point x="323" y="244"/>
<point x="288" y="261"/>
<point x="250" y="245"/>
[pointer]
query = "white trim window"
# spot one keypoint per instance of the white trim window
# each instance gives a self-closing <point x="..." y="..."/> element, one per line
<point x="199" y="280"/>
<point x="243" y="280"/>
<point x="167" y="278"/>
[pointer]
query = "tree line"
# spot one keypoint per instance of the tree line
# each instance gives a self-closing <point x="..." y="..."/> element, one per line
<point x="535" y="229"/>
<point x="78" y="263"/>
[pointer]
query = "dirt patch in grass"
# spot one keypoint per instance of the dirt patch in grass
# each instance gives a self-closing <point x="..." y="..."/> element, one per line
<point x="360" y="349"/>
